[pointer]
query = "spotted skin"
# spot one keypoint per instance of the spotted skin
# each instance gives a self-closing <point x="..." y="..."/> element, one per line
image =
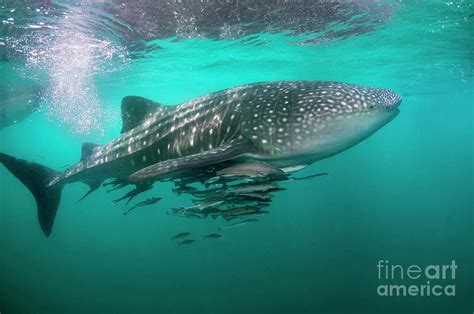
<point x="170" y="133"/>
<point x="283" y="122"/>
<point x="286" y="114"/>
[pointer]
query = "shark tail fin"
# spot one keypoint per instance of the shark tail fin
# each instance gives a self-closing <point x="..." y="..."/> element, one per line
<point x="38" y="179"/>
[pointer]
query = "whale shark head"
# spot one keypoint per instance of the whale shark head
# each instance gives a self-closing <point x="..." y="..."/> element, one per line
<point x="334" y="116"/>
<point x="314" y="120"/>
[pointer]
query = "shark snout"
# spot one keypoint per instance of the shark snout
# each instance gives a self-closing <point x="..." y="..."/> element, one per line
<point x="384" y="99"/>
<point x="390" y="99"/>
<point x="396" y="100"/>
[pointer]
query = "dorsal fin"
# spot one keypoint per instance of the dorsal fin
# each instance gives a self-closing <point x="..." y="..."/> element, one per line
<point x="87" y="150"/>
<point x="135" y="110"/>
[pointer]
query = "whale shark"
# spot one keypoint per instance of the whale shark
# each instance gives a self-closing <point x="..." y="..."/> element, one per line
<point x="276" y="125"/>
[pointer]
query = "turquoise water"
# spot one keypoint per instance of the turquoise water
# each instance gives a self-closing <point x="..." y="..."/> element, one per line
<point x="403" y="195"/>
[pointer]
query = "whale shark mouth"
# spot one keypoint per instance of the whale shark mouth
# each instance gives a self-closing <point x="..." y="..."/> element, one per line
<point x="395" y="108"/>
<point x="396" y="112"/>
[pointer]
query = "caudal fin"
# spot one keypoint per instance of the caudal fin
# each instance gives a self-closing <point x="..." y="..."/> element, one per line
<point x="37" y="179"/>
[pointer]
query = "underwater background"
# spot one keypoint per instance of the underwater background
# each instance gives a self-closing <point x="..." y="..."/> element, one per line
<point x="403" y="195"/>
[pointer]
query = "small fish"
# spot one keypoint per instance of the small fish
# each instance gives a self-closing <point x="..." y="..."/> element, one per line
<point x="238" y="224"/>
<point x="204" y="205"/>
<point x="291" y="169"/>
<point x="308" y="177"/>
<point x="191" y="215"/>
<point x="237" y="211"/>
<point x="196" y="208"/>
<point x="250" y="214"/>
<point x="116" y="184"/>
<point x="255" y="197"/>
<point x="186" y="242"/>
<point x="133" y="193"/>
<point x="146" y="202"/>
<point x="184" y="189"/>
<point x="185" y="215"/>
<point x="214" y="212"/>
<point x="213" y="180"/>
<point x="212" y="236"/>
<point x="205" y="193"/>
<point x="181" y="235"/>
<point x="257" y="188"/>
<point x="250" y="169"/>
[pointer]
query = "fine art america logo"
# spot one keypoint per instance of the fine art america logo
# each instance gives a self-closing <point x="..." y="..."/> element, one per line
<point x="415" y="280"/>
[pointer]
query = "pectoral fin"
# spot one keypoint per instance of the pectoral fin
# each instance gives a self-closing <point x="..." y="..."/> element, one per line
<point x="218" y="154"/>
